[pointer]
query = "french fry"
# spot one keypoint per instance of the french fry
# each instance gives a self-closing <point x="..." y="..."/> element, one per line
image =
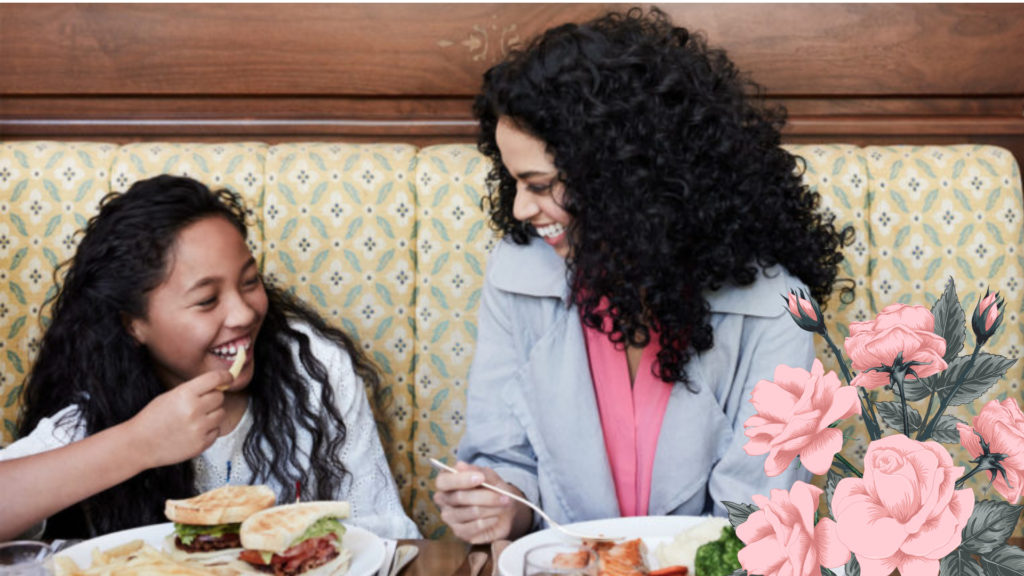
<point x="131" y="559"/>
<point x="236" y="366"/>
<point x="64" y="566"/>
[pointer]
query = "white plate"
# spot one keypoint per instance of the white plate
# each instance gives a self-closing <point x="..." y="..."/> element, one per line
<point x="367" y="548"/>
<point x="654" y="530"/>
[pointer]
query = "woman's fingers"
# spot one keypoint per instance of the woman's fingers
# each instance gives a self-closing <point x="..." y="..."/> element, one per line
<point x="479" y="530"/>
<point x="465" y="479"/>
<point x="485" y="530"/>
<point x="475" y="514"/>
<point x="478" y="497"/>
<point x="468" y="514"/>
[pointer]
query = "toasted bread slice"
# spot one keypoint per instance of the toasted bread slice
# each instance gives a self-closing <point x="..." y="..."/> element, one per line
<point x="274" y="529"/>
<point x="225" y="505"/>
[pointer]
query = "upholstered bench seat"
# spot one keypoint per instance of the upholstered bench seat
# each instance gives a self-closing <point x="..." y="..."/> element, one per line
<point x="389" y="242"/>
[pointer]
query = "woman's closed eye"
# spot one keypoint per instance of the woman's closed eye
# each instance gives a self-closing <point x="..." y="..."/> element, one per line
<point x="208" y="302"/>
<point x="539" y="188"/>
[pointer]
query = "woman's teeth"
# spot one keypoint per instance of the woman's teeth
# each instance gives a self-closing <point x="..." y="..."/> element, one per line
<point x="551" y="230"/>
<point x="230" y="350"/>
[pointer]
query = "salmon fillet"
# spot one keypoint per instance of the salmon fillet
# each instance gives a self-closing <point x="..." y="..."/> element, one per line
<point x="622" y="559"/>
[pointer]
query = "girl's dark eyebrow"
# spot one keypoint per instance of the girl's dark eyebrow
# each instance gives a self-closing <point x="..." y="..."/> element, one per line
<point x="207" y="280"/>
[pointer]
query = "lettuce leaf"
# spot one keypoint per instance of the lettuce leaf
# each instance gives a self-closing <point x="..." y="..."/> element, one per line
<point x="188" y="532"/>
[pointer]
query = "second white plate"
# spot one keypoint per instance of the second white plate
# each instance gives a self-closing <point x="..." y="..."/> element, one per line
<point x="654" y="530"/>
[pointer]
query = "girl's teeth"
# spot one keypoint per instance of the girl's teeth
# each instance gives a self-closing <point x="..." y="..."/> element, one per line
<point x="228" y="351"/>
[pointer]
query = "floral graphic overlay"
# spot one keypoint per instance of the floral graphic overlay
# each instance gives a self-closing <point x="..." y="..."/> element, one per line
<point x="904" y="508"/>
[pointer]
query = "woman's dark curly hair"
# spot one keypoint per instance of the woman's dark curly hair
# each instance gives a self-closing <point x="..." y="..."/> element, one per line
<point x="88" y="358"/>
<point x="673" y="175"/>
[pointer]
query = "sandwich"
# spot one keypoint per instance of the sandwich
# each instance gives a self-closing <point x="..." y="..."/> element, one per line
<point x="206" y="526"/>
<point x="297" y="539"/>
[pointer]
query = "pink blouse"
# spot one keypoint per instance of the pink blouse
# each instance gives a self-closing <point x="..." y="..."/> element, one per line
<point x="631" y="416"/>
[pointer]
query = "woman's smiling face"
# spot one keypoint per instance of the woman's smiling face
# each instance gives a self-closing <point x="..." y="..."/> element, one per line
<point x="539" y="190"/>
<point x="211" y="303"/>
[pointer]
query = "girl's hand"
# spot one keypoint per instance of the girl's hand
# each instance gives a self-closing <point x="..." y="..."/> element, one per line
<point x="182" y="422"/>
<point x="478" y="515"/>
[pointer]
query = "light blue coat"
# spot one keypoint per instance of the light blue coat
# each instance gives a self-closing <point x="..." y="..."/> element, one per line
<point x="532" y="414"/>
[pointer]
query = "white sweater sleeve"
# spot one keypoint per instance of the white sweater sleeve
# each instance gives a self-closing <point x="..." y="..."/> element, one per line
<point x="369" y="486"/>
<point x="59" y="430"/>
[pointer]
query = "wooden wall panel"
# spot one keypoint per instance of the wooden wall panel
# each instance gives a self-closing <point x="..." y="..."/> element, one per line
<point x="860" y="73"/>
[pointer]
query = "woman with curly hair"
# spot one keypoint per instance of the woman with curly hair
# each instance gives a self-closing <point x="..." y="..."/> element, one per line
<point x="130" y="401"/>
<point x="651" y="222"/>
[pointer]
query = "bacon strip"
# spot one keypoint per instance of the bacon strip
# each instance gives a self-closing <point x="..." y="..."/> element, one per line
<point x="300" y="558"/>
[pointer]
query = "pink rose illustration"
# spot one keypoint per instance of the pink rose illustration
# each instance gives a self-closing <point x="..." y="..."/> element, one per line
<point x="808" y="308"/>
<point x="905" y="513"/>
<point x="987" y="316"/>
<point x="899" y="328"/>
<point x="782" y="539"/>
<point x="989" y="303"/>
<point x="1002" y="427"/>
<point x="793" y="417"/>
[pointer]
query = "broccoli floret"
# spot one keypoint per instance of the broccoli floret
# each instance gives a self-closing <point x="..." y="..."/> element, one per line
<point x="719" y="558"/>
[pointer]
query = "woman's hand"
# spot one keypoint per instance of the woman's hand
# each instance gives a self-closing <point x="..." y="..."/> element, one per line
<point x="478" y="515"/>
<point x="182" y="422"/>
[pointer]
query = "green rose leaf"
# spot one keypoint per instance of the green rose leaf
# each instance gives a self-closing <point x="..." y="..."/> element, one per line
<point x="852" y="566"/>
<point x="945" y="430"/>
<point x="950" y="322"/>
<point x="832" y="480"/>
<point x="1004" y="561"/>
<point x="915" y="389"/>
<point x="989" y="526"/>
<point x="739" y="512"/>
<point x="892" y="414"/>
<point x="959" y="563"/>
<point x="987" y="370"/>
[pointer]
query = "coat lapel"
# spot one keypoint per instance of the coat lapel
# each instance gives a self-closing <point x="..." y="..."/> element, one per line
<point x="567" y="434"/>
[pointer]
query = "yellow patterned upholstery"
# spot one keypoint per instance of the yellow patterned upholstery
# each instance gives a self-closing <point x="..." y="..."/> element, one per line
<point x="839" y="173"/>
<point x="451" y="246"/>
<point x="389" y="242"/>
<point x="238" y="166"/>
<point x="340" y="222"/>
<point x="48" y="190"/>
<point x="940" y="212"/>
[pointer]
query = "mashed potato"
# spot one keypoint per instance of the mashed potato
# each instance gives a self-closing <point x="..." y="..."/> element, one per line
<point x="682" y="549"/>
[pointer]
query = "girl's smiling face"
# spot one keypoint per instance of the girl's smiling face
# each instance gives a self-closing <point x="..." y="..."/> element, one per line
<point x="211" y="303"/>
<point x="539" y="190"/>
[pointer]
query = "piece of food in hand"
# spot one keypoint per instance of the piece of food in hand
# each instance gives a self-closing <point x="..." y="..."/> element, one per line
<point x="302" y="538"/>
<point x="721" y="557"/>
<point x="236" y="366"/>
<point x="206" y="527"/>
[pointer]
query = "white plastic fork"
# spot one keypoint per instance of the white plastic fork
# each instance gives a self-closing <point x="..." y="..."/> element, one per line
<point x="568" y="532"/>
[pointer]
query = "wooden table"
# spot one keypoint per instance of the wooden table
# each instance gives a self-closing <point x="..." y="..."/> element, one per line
<point x="444" y="558"/>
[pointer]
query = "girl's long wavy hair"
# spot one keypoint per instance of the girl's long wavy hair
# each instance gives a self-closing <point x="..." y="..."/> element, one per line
<point x="673" y="173"/>
<point x="88" y="358"/>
